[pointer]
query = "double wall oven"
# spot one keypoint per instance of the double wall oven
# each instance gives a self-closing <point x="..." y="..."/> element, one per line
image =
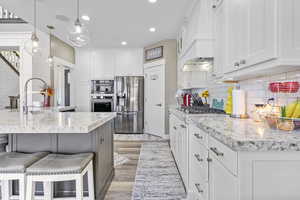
<point x="102" y="96"/>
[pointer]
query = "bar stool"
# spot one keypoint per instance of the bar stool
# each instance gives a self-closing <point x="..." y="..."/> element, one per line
<point x="12" y="167"/>
<point x="60" y="167"/>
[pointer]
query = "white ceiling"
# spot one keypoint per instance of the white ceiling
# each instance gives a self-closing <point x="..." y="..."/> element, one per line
<point x="112" y="21"/>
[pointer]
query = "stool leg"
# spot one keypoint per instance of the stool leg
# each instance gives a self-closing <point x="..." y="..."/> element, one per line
<point x="48" y="190"/>
<point x="22" y="187"/>
<point x="5" y="193"/>
<point x="29" y="188"/>
<point x="79" y="187"/>
<point x="91" y="181"/>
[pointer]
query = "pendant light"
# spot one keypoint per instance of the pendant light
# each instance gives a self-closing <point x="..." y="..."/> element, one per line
<point x="32" y="46"/>
<point x="78" y="33"/>
<point x="50" y="57"/>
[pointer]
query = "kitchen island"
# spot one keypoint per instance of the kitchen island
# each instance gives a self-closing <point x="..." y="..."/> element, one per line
<point x="65" y="133"/>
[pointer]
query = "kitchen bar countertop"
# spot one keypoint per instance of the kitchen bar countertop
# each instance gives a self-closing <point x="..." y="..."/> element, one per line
<point x="243" y="134"/>
<point x="52" y="122"/>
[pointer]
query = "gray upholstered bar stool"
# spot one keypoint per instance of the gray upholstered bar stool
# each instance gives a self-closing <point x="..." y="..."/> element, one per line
<point x="12" y="167"/>
<point x="60" y="167"/>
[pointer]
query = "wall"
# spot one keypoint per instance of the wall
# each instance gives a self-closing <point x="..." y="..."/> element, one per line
<point x="103" y="64"/>
<point x="257" y="89"/>
<point x="9" y="84"/>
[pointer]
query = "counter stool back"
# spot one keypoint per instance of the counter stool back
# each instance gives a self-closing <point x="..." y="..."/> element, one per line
<point x="12" y="167"/>
<point x="60" y="167"/>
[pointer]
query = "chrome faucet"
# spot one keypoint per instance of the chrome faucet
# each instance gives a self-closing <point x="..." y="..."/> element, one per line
<point x="25" y="106"/>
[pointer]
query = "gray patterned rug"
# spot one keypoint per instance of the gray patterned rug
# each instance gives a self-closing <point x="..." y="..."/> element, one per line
<point x="157" y="177"/>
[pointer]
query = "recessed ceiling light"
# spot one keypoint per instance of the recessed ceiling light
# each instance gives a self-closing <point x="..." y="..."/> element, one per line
<point x="124" y="43"/>
<point x="152" y="29"/>
<point x="152" y="1"/>
<point x="85" y="17"/>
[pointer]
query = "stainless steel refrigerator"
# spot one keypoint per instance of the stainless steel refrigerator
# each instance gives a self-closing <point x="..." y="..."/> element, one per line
<point x="129" y="104"/>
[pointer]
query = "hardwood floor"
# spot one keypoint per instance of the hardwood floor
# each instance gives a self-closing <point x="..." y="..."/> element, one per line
<point x="122" y="185"/>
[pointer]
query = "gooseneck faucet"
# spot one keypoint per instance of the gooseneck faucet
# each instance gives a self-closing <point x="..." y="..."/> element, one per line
<point x="25" y="106"/>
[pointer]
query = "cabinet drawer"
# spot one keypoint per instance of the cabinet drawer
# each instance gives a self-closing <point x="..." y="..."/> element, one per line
<point x="198" y="162"/>
<point x="200" y="190"/>
<point x="224" y="154"/>
<point x="198" y="135"/>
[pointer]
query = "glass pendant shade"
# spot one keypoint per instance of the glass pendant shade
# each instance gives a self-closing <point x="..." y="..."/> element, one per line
<point x="78" y="34"/>
<point x="32" y="46"/>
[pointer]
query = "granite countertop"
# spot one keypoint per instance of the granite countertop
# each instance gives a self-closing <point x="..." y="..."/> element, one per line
<point x="52" y="122"/>
<point x="247" y="135"/>
<point x="242" y="134"/>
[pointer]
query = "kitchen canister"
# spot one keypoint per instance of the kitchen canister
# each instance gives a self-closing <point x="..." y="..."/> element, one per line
<point x="239" y="107"/>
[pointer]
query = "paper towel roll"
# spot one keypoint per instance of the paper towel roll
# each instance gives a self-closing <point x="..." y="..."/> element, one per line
<point x="238" y="102"/>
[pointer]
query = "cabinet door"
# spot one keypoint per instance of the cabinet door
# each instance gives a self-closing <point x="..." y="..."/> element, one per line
<point x="129" y="62"/>
<point x="223" y="185"/>
<point x="261" y="35"/>
<point x="220" y="26"/>
<point x="184" y="155"/>
<point x="172" y="128"/>
<point x="103" y="64"/>
<point x="237" y="30"/>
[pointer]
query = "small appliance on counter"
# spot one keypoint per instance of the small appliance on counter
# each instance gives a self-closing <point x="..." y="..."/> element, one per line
<point x="102" y="95"/>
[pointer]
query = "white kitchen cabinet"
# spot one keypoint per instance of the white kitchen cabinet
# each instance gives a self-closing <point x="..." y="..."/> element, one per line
<point x="179" y="145"/>
<point x="129" y="62"/>
<point x="220" y="44"/>
<point x="103" y="64"/>
<point x="216" y="172"/>
<point x="222" y="184"/>
<point x="262" y="36"/>
<point x="261" y="42"/>
<point x="251" y="32"/>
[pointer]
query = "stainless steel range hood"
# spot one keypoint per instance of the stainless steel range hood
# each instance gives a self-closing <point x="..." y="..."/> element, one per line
<point x="198" y="64"/>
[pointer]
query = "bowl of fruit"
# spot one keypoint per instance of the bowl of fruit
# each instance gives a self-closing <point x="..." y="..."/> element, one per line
<point x="288" y="120"/>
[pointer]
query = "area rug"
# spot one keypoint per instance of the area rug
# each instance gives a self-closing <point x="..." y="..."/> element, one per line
<point x="157" y="177"/>
<point x="119" y="159"/>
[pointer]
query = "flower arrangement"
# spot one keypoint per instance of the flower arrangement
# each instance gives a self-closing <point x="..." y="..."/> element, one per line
<point x="47" y="93"/>
<point x="205" y="95"/>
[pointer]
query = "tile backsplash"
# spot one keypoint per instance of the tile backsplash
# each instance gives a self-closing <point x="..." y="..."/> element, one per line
<point x="257" y="90"/>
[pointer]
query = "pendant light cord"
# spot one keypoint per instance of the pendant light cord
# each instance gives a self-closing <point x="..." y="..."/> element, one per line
<point x="77" y="9"/>
<point x="34" y="16"/>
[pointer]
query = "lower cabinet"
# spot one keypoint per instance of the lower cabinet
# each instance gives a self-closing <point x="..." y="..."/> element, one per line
<point x="222" y="184"/>
<point x="216" y="172"/>
<point x="179" y="145"/>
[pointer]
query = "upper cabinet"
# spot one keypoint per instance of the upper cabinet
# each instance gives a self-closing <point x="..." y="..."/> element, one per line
<point x="251" y="32"/>
<point x="255" y="37"/>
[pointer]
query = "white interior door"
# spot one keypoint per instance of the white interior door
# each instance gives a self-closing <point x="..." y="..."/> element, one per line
<point x="154" y="101"/>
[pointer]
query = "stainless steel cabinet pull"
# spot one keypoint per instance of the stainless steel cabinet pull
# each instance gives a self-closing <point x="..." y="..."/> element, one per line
<point x="197" y="156"/>
<point x="198" y="188"/>
<point x="182" y="126"/>
<point x="159" y="105"/>
<point x="209" y="160"/>
<point x="198" y="136"/>
<point x="243" y="62"/>
<point x="216" y="151"/>
<point x="174" y="127"/>
<point x="236" y="64"/>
